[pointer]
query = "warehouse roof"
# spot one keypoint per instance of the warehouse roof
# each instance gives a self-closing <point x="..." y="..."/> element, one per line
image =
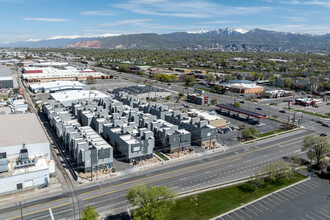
<point x="5" y="74"/>
<point x="58" y="85"/>
<point x="77" y="95"/>
<point x="17" y="129"/>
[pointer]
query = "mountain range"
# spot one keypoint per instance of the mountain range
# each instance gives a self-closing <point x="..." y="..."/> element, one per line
<point x="256" y="38"/>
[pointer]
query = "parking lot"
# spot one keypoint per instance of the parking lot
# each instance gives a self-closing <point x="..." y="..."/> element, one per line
<point x="308" y="200"/>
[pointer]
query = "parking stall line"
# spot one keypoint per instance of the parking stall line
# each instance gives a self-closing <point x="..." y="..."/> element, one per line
<point x="301" y="188"/>
<point x="229" y="216"/>
<point x="244" y="213"/>
<point x="274" y="197"/>
<point x="302" y="218"/>
<point x="310" y="217"/>
<point x="251" y="211"/>
<point x="295" y="191"/>
<point x="278" y="194"/>
<point x="321" y="213"/>
<point x="312" y="213"/>
<point x="263" y="206"/>
<point x="309" y="186"/>
<point x="263" y="200"/>
<point x="324" y="210"/>
<point x="238" y="215"/>
<point x="287" y="194"/>
<point x="272" y="201"/>
<point x="257" y="208"/>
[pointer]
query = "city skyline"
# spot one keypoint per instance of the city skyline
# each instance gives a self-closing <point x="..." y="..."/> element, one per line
<point x="39" y="20"/>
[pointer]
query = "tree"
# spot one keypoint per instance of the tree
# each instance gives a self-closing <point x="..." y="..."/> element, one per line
<point x="317" y="147"/>
<point x="213" y="101"/>
<point x="254" y="131"/>
<point x="152" y="202"/>
<point x="89" y="214"/>
<point x="287" y="82"/>
<point x="174" y="78"/>
<point x="190" y="80"/>
<point x="218" y="88"/>
<point x="181" y="94"/>
<point x="246" y="134"/>
<point x="230" y="77"/>
<point x="209" y="77"/>
<point x="237" y="105"/>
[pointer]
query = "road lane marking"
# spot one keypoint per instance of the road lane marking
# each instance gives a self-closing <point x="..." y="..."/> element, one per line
<point x="317" y="215"/>
<point x="310" y="217"/>
<point x="251" y="151"/>
<point x="31" y="213"/>
<point x="163" y="179"/>
<point x="34" y="205"/>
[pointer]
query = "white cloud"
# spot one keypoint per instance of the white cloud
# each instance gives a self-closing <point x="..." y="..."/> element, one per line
<point x="33" y="40"/>
<point x="98" y="13"/>
<point x="189" y="9"/>
<point x="217" y="22"/>
<point x="324" y="3"/>
<point x="123" y="22"/>
<point x="47" y="19"/>
<point x="297" y="19"/>
<point x="81" y="36"/>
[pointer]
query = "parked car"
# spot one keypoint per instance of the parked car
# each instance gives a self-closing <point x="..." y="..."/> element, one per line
<point x="282" y="111"/>
<point x="328" y="103"/>
<point x="259" y="108"/>
<point x="325" y="125"/>
<point x="323" y="135"/>
<point x="242" y="102"/>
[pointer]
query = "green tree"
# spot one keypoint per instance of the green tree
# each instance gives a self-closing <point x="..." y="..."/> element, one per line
<point x="152" y="202"/>
<point x="174" y="78"/>
<point x="253" y="131"/>
<point x="213" y="101"/>
<point x="181" y="94"/>
<point x="246" y="134"/>
<point x="190" y="80"/>
<point x="209" y="77"/>
<point x="316" y="147"/>
<point x="287" y="82"/>
<point x="89" y="213"/>
<point x="230" y="77"/>
<point x="237" y="105"/>
<point x="217" y="88"/>
<point x="168" y="98"/>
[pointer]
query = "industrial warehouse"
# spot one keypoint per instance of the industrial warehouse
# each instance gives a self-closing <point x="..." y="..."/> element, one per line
<point x="6" y="79"/>
<point x="124" y="127"/>
<point x="57" y="86"/>
<point x="48" y="74"/>
<point x="25" y="160"/>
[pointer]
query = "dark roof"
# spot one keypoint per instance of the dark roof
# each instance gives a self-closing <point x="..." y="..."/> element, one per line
<point x="241" y="111"/>
<point x="138" y="89"/>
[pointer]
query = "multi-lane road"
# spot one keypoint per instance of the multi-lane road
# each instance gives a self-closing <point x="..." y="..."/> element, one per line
<point x="195" y="173"/>
<point x="239" y="161"/>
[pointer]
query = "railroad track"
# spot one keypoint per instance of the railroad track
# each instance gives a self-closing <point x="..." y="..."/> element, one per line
<point x="53" y="142"/>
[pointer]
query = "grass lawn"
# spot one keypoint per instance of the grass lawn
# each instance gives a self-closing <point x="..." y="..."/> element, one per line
<point x="161" y="155"/>
<point x="270" y="133"/>
<point x="213" y="203"/>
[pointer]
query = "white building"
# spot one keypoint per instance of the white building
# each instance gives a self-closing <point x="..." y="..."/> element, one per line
<point x="68" y="97"/>
<point x="57" y="86"/>
<point x="24" y="153"/>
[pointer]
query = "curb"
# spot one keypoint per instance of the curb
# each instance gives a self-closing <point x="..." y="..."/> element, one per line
<point x="226" y="213"/>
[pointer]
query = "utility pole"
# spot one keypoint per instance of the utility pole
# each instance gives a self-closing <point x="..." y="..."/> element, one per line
<point x="20" y="205"/>
<point x="91" y="167"/>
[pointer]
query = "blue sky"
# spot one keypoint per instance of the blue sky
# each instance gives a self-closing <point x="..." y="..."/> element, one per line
<point x="23" y="20"/>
